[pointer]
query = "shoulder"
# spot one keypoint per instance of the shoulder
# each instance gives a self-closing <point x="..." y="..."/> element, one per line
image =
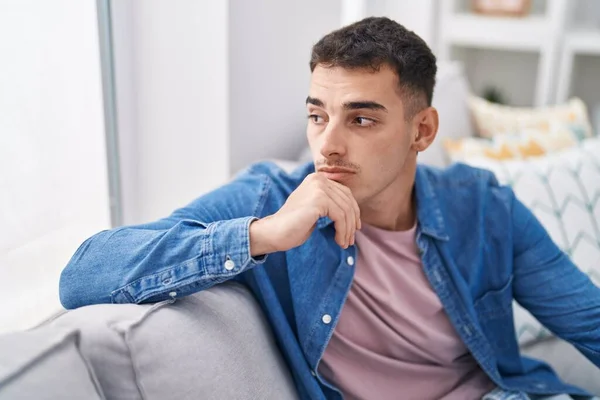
<point x="461" y="185"/>
<point x="458" y="175"/>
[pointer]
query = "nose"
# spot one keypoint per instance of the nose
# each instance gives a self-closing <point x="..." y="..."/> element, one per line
<point x="333" y="141"/>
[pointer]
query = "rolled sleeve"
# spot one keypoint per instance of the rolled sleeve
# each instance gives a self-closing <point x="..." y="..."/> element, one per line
<point x="228" y="248"/>
<point x="224" y="254"/>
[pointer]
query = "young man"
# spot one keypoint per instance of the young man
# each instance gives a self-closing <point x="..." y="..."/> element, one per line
<point x="381" y="279"/>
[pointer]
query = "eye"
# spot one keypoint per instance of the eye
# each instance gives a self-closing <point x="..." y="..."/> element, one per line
<point x="316" y="119"/>
<point x="364" y="122"/>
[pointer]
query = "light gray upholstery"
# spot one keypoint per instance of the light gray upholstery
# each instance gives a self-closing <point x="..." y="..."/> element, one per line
<point x="105" y="346"/>
<point x="214" y="344"/>
<point x="45" y="364"/>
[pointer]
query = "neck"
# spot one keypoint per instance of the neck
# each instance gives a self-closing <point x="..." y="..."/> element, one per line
<point x="394" y="208"/>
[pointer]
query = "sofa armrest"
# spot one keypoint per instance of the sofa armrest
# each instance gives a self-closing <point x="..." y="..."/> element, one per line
<point x="214" y="344"/>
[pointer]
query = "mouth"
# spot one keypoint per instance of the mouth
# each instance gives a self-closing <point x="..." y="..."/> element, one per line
<point x="336" y="174"/>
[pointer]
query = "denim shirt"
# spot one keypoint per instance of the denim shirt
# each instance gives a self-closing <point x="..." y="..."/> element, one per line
<point x="480" y="247"/>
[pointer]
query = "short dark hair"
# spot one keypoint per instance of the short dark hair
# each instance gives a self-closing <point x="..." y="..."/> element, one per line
<point x="376" y="41"/>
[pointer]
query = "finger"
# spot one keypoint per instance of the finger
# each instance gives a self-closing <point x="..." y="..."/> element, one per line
<point x="344" y="203"/>
<point x="330" y="208"/>
<point x="338" y="208"/>
<point x="343" y="197"/>
<point x="348" y="193"/>
<point x="337" y="215"/>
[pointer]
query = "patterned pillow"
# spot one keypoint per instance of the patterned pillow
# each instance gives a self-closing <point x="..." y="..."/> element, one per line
<point x="494" y="119"/>
<point x="563" y="191"/>
<point x="509" y="147"/>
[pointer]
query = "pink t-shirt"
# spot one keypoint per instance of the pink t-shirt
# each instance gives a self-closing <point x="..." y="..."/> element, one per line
<point x="393" y="339"/>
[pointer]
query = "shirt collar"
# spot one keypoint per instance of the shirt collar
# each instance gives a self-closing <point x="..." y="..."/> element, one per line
<point x="429" y="214"/>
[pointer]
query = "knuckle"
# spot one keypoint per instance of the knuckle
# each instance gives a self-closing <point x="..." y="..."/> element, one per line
<point x="316" y="177"/>
<point x="311" y="178"/>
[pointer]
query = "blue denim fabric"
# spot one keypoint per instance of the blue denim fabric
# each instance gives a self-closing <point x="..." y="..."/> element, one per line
<point x="481" y="248"/>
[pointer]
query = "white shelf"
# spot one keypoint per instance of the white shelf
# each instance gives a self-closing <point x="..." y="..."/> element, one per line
<point x="541" y="34"/>
<point x="584" y="42"/>
<point x="520" y="34"/>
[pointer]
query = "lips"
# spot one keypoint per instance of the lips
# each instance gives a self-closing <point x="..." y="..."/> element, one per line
<point x="336" y="170"/>
<point x="336" y="174"/>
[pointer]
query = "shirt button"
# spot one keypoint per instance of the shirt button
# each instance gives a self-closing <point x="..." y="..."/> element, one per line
<point x="173" y="294"/>
<point x="326" y="319"/>
<point x="229" y="265"/>
<point x="350" y="260"/>
<point x="313" y="373"/>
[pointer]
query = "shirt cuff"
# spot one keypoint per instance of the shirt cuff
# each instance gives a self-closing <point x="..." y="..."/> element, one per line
<point x="228" y="248"/>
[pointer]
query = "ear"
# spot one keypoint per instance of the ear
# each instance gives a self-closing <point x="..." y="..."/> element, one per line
<point x="425" y="125"/>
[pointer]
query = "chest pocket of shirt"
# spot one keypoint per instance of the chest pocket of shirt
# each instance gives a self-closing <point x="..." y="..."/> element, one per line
<point x="495" y="315"/>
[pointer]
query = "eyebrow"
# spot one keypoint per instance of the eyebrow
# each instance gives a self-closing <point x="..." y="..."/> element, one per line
<point x="314" y="101"/>
<point x="353" y="105"/>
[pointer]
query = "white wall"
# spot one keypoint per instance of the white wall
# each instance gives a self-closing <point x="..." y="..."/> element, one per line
<point x="172" y="88"/>
<point x="124" y="54"/>
<point x="418" y="16"/>
<point x="269" y="52"/>
<point x="53" y="179"/>
<point x="205" y="88"/>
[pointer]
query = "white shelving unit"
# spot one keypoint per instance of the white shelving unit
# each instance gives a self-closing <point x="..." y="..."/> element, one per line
<point x="540" y="34"/>
<point x="584" y="42"/>
<point x="526" y="34"/>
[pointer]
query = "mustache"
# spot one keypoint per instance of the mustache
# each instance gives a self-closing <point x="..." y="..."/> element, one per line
<point x="338" y="163"/>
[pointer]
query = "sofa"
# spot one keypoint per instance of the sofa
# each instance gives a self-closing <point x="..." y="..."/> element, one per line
<point x="214" y="344"/>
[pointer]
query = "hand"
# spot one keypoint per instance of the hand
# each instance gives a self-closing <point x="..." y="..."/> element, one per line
<point x="295" y="221"/>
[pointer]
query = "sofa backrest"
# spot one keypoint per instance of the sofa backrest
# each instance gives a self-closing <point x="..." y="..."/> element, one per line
<point x="214" y="344"/>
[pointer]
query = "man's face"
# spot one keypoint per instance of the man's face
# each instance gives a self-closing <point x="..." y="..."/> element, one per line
<point x="357" y="123"/>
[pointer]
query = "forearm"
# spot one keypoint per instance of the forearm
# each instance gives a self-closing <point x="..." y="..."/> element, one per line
<point x="548" y="284"/>
<point x="136" y="264"/>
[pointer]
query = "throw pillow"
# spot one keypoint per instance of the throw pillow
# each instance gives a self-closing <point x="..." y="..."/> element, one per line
<point x="494" y="119"/>
<point x="509" y="146"/>
<point x="563" y="191"/>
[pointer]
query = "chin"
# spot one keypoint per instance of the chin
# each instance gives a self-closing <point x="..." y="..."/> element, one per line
<point x="357" y="192"/>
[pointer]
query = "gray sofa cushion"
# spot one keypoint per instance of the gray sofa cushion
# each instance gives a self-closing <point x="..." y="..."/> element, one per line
<point x="214" y="344"/>
<point x="45" y="364"/>
<point x="569" y="363"/>
<point x="105" y="346"/>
